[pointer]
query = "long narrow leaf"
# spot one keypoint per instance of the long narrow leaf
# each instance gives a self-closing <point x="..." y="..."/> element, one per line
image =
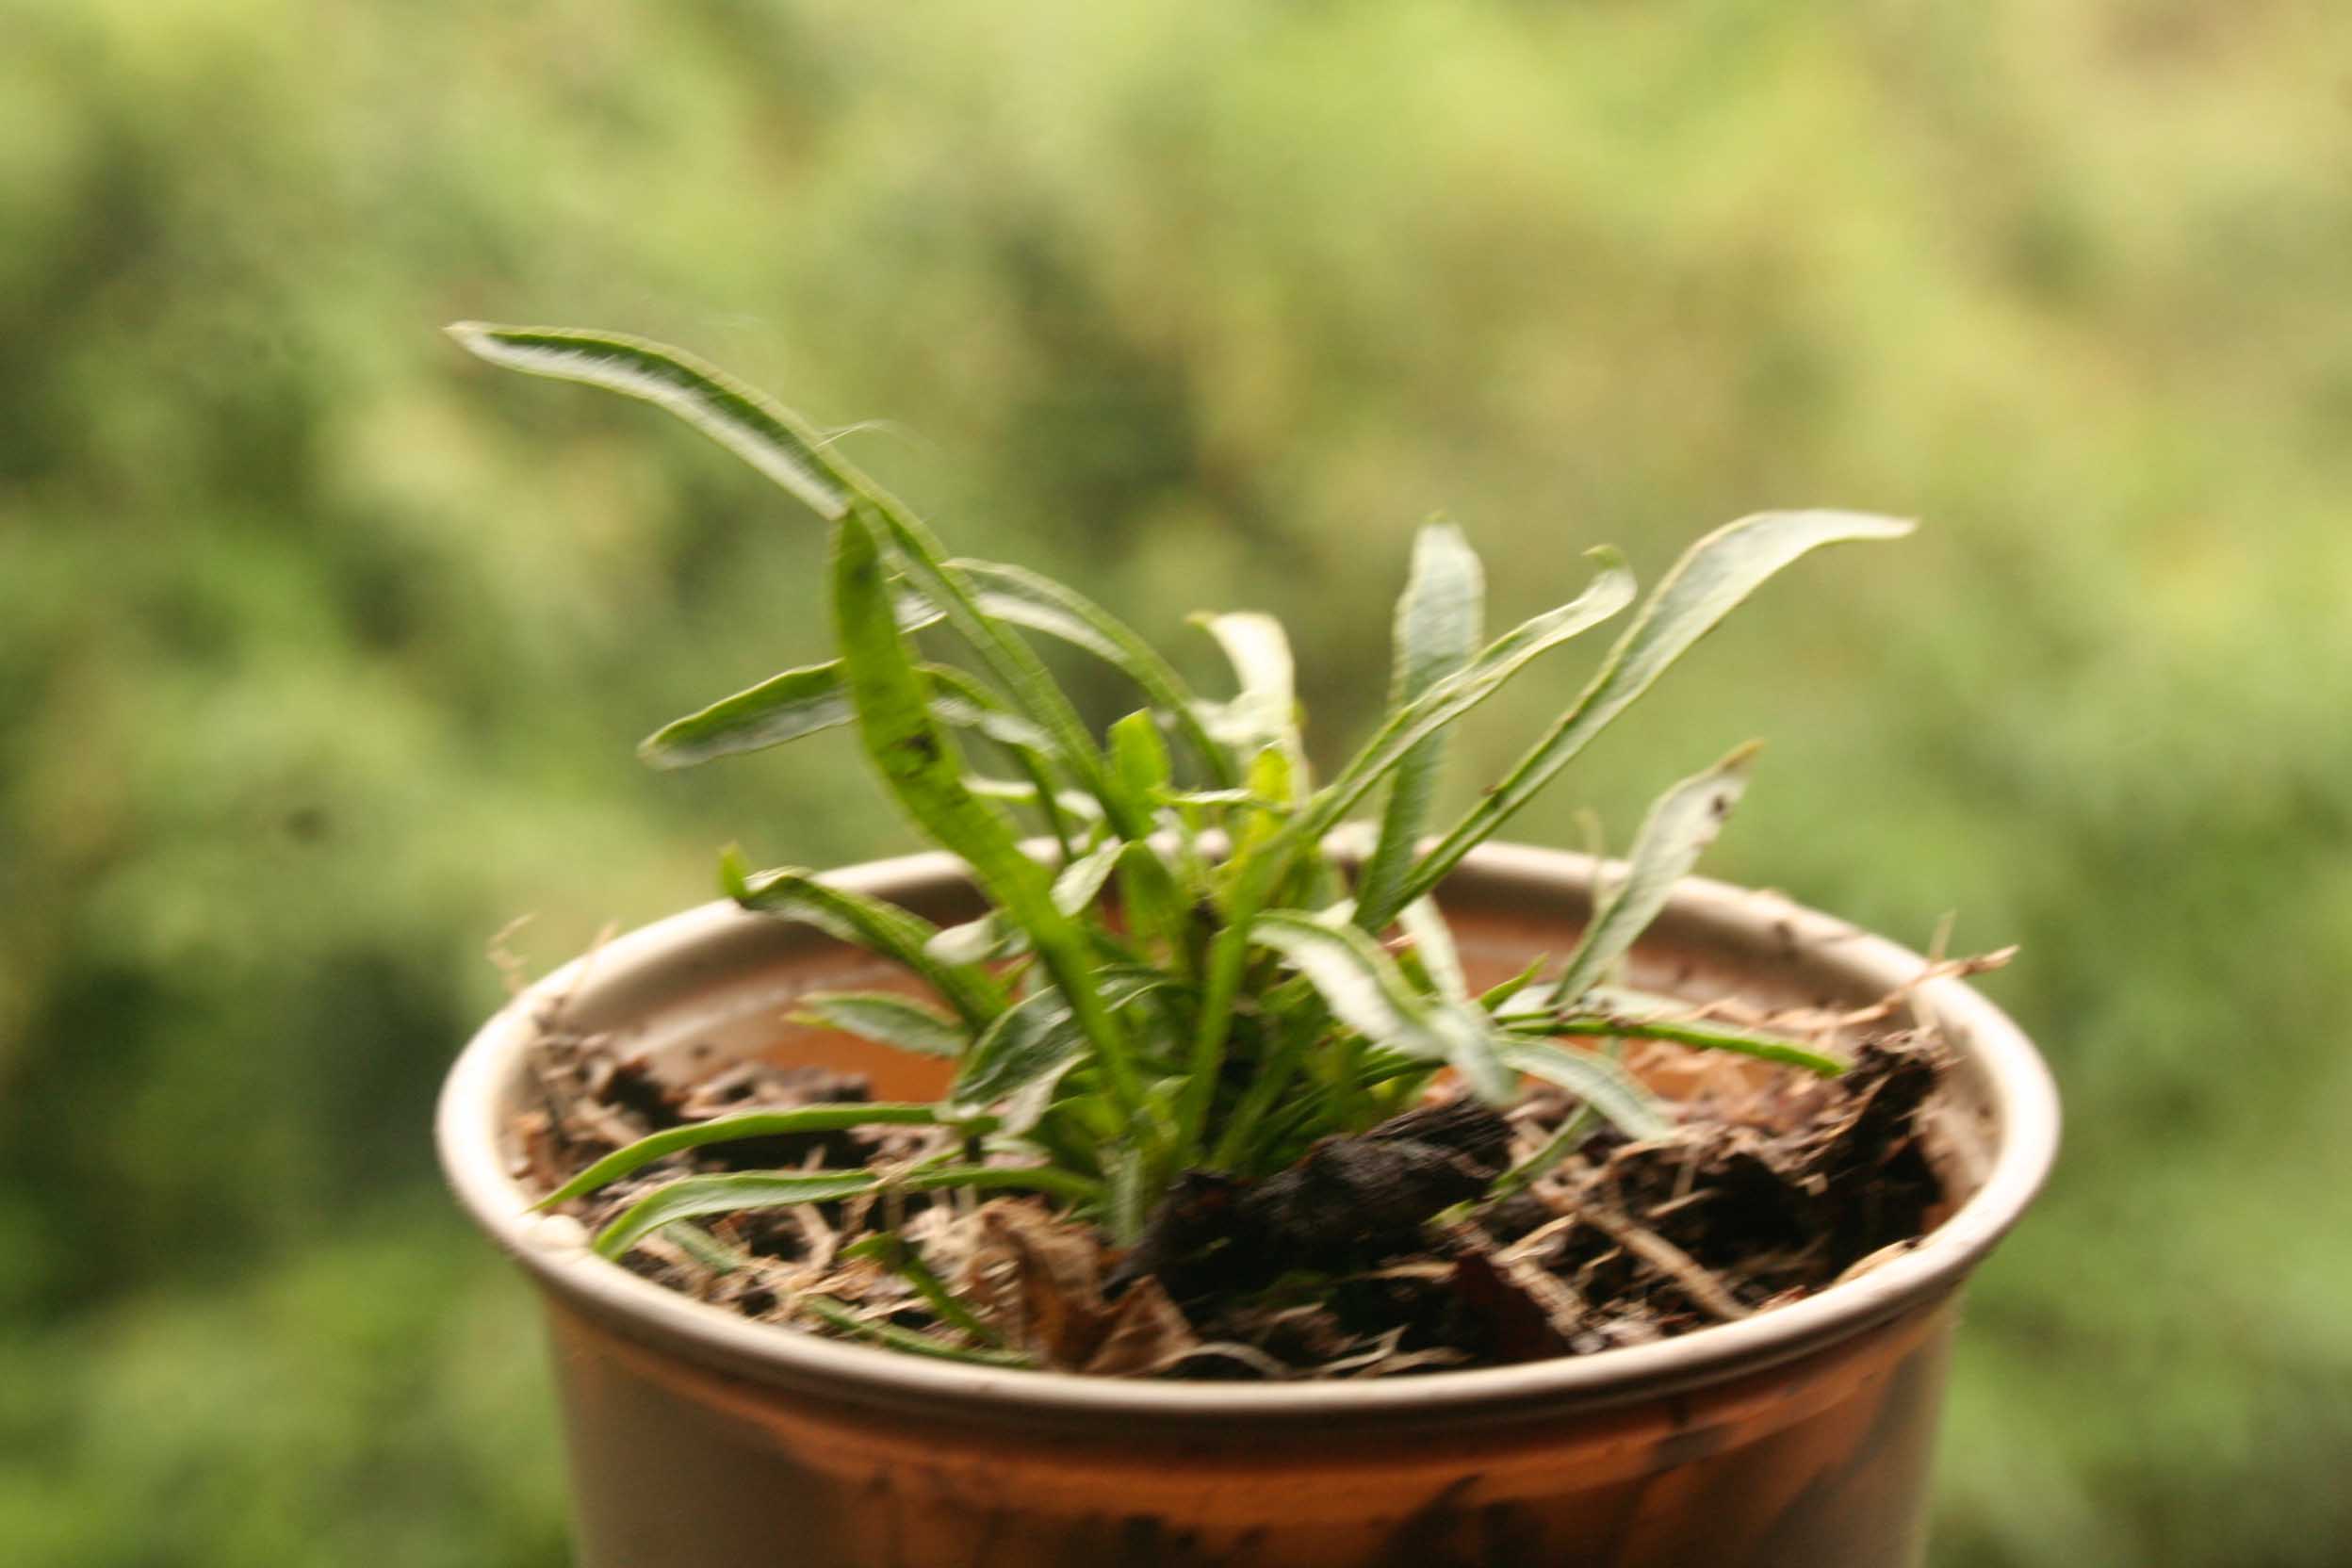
<point x="1027" y="599"/>
<point x="734" y="1129"/>
<point x="1020" y="791"/>
<point x="1367" y="991"/>
<point x="699" y="1195"/>
<point x="1449" y="698"/>
<point x="1253" y="881"/>
<point x="1673" y="836"/>
<point x="1496" y="999"/>
<point x="893" y="1252"/>
<point x="1433" y="939"/>
<point x="1709" y="581"/>
<point x="762" y="432"/>
<point x="814" y="698"/>
<point x="890" y="1336"/>
<point x="751" y="1190"/>
<point x="1358" y="980"/>
<point x="958" y="699"/>
<point x="987" y="940"/>
<point x="1439" y="621"/>
<point x="1593" y="1078"/>
<point x="1139" y="765"/>
<point x="785" y="447"/>
<point x="963" y="703"/>
<point x="894" y="1021"/>
<point x="1035" y="1040"/>
<point x="1266" y="711"/>
<point x="1153" y="904"/>
<point x="1013" y="662"/>
<point x="908" y="748"/>
<point x="783" y="708"/>
<point x="1080" y="883"/>
<point x="1475" y="1048"/>
<point x="1703" y="1036"/>
<point x="883" y="928"/>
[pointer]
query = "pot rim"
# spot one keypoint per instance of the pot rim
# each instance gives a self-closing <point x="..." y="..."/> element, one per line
<point x="2019" y="1101"/>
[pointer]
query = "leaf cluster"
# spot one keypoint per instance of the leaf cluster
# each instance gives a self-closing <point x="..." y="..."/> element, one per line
<point x="1175" y="972"/>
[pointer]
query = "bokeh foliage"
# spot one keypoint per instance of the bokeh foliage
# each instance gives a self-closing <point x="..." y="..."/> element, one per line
<point x="322" y="650"/>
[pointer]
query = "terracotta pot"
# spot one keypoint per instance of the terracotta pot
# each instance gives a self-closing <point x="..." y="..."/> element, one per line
<point x="1801" y="1436"/>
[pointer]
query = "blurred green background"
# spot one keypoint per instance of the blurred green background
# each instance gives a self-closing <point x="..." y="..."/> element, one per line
<point x="322" y="649"/>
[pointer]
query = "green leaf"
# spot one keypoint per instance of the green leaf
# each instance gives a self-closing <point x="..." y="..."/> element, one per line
<point x="1475" y="1048"/>
<point x="1207" y="798"/>
<point x="1356" y="978"/>
<point x="783" y="708"/>
<point x="1709" y="581"/>
<point x="1080" y="883"/>
<point x="728" y="1194"/>
<point x="959" y="700"/>
<point x="732" y="1129"/>
<point x="1252" y="879"/>
<point x="1435" y="940"/>
<point x="1701" y="1037"/>
<point x="1593" y="1078"/>
<point x="1367" y="992"/>
<point x="1126" y="1173"/>
<point x="1015" y="665"/>
<point x="893" y="1252"/>
<point x="879" y="927"/>
<point x="986" y="939"/>
<point x="1139" y="757"/>
<point x="1496" y="998"/>
<point x="785" y="447"/>
<point x="762" y="432"/>
<point x="1266" y="711"/>
<point x="737" y="416"/>
<point x="1035" y="1038"/>
<point x="751" y="1190"/>
<point x="1273" y="789"/>
<point x="1453" y="695"/>
<point x="1677" y="830"/>
<point x="1016" y="791"/>
<point x="1439" y="619"/>
<point x="894" y="1021"/>
<point x="814" y="698"/>
<point x="908" y="748"/>
<point x="706" y="1248"/>
<point x="1153" y="904"/>
<point x="1027" y="599"/>
<point x="1140" y="763"/>
<point x="907" y="1341"/>
<point x="1123" y="983"/>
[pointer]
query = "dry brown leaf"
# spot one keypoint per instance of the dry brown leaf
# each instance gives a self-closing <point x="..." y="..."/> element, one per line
<point x="1144" y="1330"/>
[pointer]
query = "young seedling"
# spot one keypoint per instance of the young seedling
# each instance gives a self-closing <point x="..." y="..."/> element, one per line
<point x="1178" y="997"/>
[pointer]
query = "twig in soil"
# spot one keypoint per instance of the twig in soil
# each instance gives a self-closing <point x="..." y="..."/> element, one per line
<point x="1696" y="1282"/>
<point x="1534" y="1241"/>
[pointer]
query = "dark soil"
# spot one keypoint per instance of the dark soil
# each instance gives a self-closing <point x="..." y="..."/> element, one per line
<point x="1372" y="1255"/>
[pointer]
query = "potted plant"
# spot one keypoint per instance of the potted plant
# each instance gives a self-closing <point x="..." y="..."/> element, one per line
<point x="1198" y="1179"/>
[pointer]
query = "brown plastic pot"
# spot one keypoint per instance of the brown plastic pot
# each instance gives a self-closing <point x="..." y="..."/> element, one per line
<point x="1799" y="1437"/>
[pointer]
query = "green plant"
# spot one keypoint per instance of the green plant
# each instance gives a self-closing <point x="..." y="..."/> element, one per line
<point x="1175" y="975"/>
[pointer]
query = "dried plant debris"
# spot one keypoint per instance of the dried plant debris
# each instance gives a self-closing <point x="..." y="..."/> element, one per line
<point x="1371" y="1255"/>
